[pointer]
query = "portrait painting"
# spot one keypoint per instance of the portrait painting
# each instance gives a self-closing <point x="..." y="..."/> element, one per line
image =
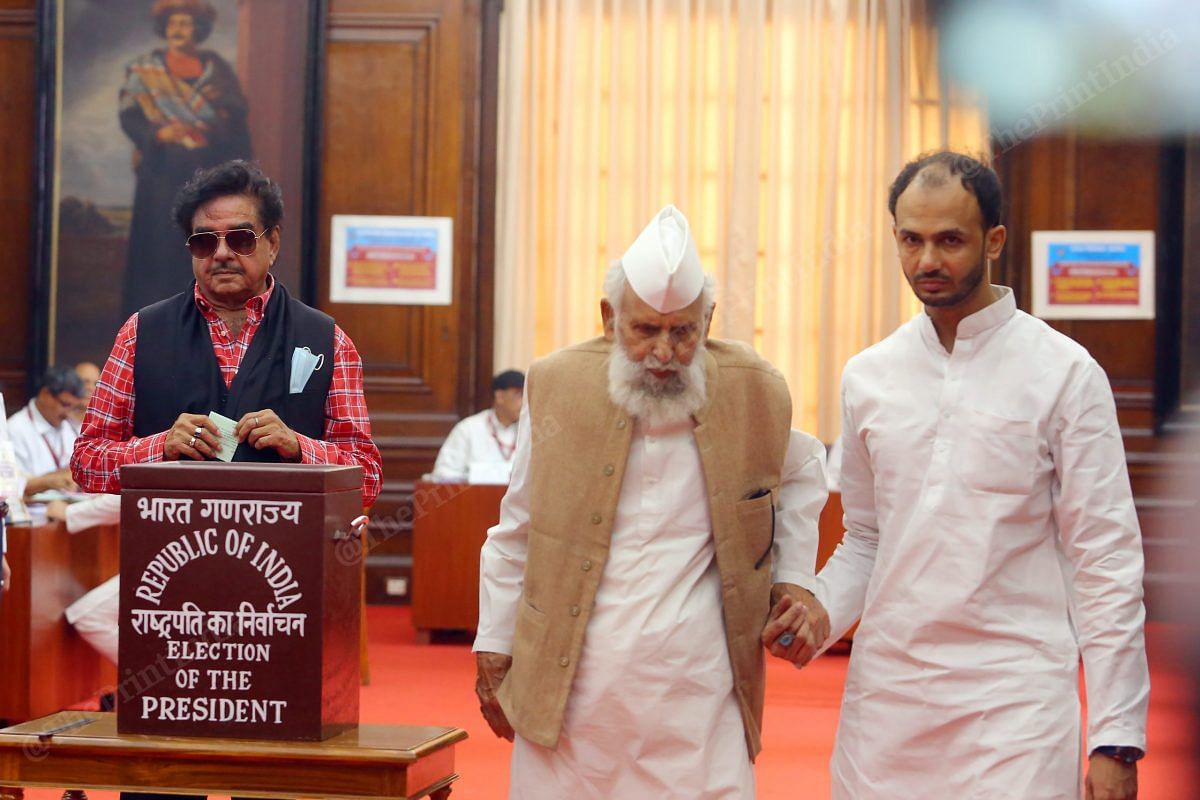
<point x="144" y="93"/>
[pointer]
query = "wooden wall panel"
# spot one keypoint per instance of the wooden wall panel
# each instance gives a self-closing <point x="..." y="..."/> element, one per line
<point x="18" y="125"/>
<point x="1190" y="300"/>
<point x="403" y="135"/>
<point x="1066" y="182"/>
<point x="1072" y="183"/>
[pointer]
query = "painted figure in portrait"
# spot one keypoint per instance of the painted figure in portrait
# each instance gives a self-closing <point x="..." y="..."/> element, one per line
<point x="183" y="108"/>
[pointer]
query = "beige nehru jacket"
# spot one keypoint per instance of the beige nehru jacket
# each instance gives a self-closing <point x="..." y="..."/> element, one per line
<point x="580" y="442"/>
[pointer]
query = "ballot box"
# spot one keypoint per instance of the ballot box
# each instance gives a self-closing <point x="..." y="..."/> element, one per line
<point x="240" y="600"/>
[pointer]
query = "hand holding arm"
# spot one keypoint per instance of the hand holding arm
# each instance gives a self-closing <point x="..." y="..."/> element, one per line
<point x="797" y="612"/>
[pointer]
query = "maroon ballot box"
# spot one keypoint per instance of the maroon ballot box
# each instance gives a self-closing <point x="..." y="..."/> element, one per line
<point x="240" y="600"/>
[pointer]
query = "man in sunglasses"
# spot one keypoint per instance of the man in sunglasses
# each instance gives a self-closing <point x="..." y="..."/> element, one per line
<point x="235" y="343"/>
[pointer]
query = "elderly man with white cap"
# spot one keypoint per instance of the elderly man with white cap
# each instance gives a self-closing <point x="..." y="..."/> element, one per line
<point x="659" y="503"/>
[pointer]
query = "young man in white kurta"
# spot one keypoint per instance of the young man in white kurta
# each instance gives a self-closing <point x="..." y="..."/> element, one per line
<point x="991" y="542"/>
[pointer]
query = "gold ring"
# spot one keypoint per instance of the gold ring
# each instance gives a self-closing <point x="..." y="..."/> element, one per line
<point x="192" y="442"/>
<point x="256" y="421"/>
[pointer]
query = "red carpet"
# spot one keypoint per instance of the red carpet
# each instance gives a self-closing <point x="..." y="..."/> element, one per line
<point x="434" y="685"/>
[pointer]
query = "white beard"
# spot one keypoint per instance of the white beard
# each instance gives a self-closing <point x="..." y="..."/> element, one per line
<point x="656" y="402"/>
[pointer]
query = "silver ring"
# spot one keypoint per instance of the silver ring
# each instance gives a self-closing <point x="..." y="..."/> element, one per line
<point x="199" y="430"/>
<point x="192" y="442"/>
<point x="787" y="639"/>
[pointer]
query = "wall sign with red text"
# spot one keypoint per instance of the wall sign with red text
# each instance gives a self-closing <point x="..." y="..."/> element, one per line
<point x="1093" y="274"/>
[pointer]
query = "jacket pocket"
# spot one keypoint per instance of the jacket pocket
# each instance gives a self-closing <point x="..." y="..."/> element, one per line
<point x="756" y="523"/>
<point x="998" y="454"/>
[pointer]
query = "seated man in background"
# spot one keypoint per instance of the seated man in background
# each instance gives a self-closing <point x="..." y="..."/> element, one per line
<point x="89" y="373"/>
<point x="41" y="435"/>
<point x="489" y="437"/>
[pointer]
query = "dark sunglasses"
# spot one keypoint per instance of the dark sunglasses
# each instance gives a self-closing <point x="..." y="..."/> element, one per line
<point x="242" y="241"/>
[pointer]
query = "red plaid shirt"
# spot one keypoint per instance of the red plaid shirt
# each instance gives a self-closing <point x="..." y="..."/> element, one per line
<point x="106" y="440"/>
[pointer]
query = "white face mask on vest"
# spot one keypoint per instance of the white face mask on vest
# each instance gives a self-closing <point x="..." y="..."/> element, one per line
<point x="655" y="401"/>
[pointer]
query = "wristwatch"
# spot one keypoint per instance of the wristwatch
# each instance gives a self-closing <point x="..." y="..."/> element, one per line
<point x="1127" y="755"/>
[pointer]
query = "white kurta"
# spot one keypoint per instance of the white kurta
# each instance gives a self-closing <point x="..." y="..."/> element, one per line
<point x="478" y="439"/>
<point x="40" y="447"/>
<point x="991" y="542"/>
<point x="96" y="614"/>
<point x="651" y="711"/>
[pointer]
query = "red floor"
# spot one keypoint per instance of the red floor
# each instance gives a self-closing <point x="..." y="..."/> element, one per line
<point x="434" y="685"/>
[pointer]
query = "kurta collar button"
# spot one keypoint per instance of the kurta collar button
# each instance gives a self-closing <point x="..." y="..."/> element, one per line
<point x="621" y="423"/>
<point x="564" y="661"/>
<point x="586" y="565"/>
<point x="595" y="519"/>
<point x="574" y="611"/>
<point x="608" y="469"/>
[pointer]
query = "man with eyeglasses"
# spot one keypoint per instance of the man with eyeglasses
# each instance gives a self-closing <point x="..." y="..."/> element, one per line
<point x="235" y="343"/>
<point x="42" y="436"/>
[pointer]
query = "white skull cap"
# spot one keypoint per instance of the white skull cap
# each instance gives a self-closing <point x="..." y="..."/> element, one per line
<point x="662" y="265"/>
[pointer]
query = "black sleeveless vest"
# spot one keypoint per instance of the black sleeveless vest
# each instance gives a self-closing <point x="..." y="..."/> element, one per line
<point x="175" y="370"/>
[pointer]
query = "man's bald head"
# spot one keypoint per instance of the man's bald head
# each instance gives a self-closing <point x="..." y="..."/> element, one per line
<point x="934" y="170"/>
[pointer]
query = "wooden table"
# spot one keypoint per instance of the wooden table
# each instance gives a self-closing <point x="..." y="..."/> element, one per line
<point x="47" y="666"/>
<point x="373" y="761"/>
<point x="450" y="524"/>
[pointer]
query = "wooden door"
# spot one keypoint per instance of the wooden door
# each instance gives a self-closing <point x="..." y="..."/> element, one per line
<point x="408" y="129"/>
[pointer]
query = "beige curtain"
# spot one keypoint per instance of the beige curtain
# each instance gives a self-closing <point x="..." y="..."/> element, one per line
<point x="776" y="127"/>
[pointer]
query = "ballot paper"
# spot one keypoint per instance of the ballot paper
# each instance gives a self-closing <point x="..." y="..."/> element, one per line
<point x="229" y="441"/>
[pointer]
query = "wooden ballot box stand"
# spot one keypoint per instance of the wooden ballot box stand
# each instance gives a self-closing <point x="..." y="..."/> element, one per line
<point x="45" y="666"/>
<point x="450" y="523"/>
<point x="240" y="600"/>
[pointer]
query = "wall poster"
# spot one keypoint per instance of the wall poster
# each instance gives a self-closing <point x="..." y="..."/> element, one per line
<point x="1093" y="274"/>
<point x="392" y="260"/>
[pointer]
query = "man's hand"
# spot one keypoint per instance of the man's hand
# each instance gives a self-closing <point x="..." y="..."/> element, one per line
<point x="193" y="436"/>
<point x="263" y="429"/>
<point x="60" y="480"/>
<point x="490" y="669"/>
<point x="56" y="511"/>
<point x="1110" y="779"/>
<point x="796" y="612"/>
<point x="5" y="574"/>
